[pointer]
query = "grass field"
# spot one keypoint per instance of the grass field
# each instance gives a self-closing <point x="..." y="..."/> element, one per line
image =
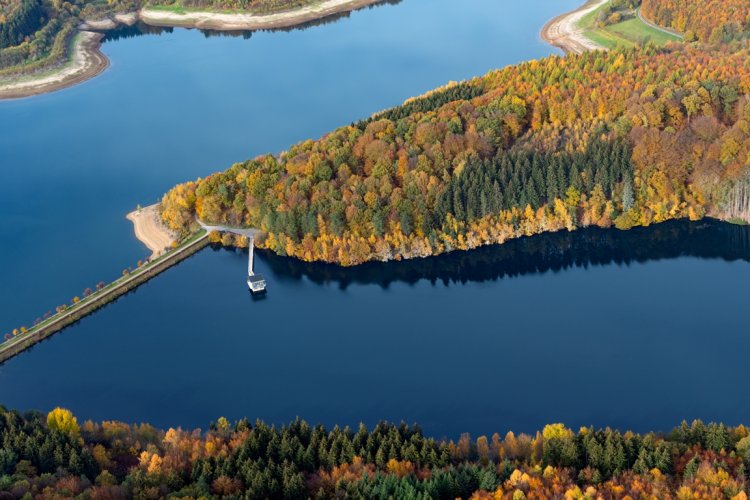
<point x="628" y="33"/>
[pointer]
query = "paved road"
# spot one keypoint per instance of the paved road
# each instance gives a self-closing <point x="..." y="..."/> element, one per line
<point x="656" y="26"/>
<point x="249" y="232"/>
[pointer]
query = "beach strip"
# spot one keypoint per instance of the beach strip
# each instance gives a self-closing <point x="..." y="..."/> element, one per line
<point x="232" y="21"/>
<point x="563" y="31"/>
<point x="150" y="229"/>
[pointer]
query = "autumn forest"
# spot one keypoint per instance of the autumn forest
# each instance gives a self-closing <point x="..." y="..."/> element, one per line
<point x="55" y="456"/>
<point x="619" y="138"/>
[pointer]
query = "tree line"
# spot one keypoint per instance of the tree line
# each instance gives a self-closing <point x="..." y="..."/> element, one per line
<point x="427" y="102"/>
<point x="42" y="455"/>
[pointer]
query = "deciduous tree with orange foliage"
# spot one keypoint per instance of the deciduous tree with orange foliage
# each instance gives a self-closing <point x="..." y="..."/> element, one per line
<point x="706" y="20"/>
<point x="627" y="137"/>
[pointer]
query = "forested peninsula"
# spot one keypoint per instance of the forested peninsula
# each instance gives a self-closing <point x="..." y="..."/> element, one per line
<point x="53" y="456"/>
<point x="46" y="45"/>
<point x="631" y="136"/>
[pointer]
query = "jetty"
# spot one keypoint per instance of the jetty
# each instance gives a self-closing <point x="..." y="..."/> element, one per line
<point x="69" y="314"/>
<point x="256" y="283"/>
<point x="87" y="305"/>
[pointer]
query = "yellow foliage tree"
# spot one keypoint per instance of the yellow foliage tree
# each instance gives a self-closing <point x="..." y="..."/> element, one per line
<point x="558" y="431"/>
<point x="64" y="421"/>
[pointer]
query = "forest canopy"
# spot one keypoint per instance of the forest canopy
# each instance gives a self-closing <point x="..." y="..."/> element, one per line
<point x="52" y="456"/>
<point x="706" y="20"/>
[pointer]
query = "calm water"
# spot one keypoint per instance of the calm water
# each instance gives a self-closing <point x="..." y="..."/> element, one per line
<point x="634" y="330"/>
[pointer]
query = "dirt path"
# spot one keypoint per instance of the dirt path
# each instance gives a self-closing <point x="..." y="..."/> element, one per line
<point x="563" y="31"/>
<point x="87" y="62"/>
<point x="246" y="21"/>
<point x="150" y="230"/>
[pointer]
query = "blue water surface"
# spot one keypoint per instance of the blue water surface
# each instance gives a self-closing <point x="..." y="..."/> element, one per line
<point x="636" y="331"/>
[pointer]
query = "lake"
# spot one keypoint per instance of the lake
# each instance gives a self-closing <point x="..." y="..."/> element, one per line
<point x="634" y="330"/>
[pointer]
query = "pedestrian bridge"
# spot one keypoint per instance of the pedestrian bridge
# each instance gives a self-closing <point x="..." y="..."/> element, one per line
<point x="255" y="282"/>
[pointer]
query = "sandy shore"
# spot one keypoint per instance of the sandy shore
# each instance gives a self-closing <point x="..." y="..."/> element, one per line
<point x="150" y="230"/>
<point x="87" y="62"/>
<point x="563" y="31"/>
<point x="127" y="18"/>
<point x="99" y="25"/>
<point x="245" y="21"/>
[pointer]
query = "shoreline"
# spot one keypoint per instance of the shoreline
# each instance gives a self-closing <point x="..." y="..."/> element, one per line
<point x="88" y="61"/>
<point x="240" y="21"/>
<point x="150" y="230"/>
<point x="563" y="32"/>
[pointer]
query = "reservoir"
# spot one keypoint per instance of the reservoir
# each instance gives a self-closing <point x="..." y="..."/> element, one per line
<point x="634" y="330"/>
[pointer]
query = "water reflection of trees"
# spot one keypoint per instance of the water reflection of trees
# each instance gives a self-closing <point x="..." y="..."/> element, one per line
<point x="141" y="29"/>
<point x="138" y="29"/>
<point x="539" y="254"/>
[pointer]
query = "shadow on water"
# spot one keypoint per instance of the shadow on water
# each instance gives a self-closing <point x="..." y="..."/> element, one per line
<point x="141" y="29"/>
<point x="257" y="297"/>
<point x="552" y="252"/>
